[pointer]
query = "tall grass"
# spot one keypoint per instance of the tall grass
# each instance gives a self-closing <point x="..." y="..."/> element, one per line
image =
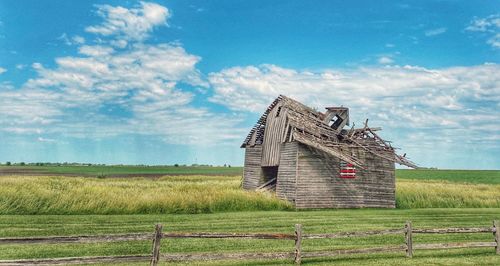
<point x="444" y="194"/>
<point x="200" y="194"/>
<point x="173" y="194"/>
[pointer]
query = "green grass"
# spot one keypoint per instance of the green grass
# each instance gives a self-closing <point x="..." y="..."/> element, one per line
<point x="467" y="176"/>
<point x="200" y="194"/>
<point x="224" y="207"/>
<point x="274" y="221"/>
<point x="111" y="170"/>
<point x="169" y="194"/>
<point x="443" y="194"/>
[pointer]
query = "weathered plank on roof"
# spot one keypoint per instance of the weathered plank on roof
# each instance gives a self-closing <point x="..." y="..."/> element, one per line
<point x="273" y="135"/>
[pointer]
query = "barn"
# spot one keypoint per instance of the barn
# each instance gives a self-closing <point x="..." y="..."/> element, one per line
<point x="313" y="160"/>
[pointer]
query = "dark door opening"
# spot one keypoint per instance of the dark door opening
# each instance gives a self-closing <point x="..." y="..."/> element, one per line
<point x="269" y="177"/>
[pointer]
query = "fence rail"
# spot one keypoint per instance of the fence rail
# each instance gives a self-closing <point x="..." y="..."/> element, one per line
<point x="409" y="246"/>
<point x="76" y="239"/>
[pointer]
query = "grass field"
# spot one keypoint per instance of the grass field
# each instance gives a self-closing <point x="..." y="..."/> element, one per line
<point x="200" y="194"/>
<point x="469" y="176"/>
<point x="219" y="205"/>
<point x="169" y="194"/>
<point x="313" y="222"/>
<point x="121" y="170"/>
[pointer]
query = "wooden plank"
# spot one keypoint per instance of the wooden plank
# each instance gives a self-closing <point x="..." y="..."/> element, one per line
<point x="263" y="186"/>
<point x="76" y="239"/>
<point x="229" y="235"/>
<point x="408" y="239"/>
<point x="334" y="253"/>
<point x="286" y="182"/>
<point x="75" y="260"/>
<point x="454" y="245"/>
<point x="319" y="184"/>
<point x="252" y="171"/>
<point x="496" y="231"/>
<point x="224" y="256"/>
<point x="354" y="234"/>
<point x="454" y="230"/>
<point x="156" y="245"/>
<point x="298" y="243"/>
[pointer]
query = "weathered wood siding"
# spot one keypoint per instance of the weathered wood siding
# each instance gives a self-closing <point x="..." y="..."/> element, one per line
<point x="319" y="184"/>
<point x="274" y="135"/>
<point x="287" y="171"/>
<point x="252" y="171"/>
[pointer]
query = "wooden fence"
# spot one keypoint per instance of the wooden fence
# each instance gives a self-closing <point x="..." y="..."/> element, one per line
<point x="409" y="246"/>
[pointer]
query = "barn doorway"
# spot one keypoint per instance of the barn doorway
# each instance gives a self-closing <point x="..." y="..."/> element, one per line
<point x="269" y="177"/>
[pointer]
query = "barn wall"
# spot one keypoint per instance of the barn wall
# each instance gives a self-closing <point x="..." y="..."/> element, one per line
<point x="319" y="184"/>
<point x="252" y="171"/>
<point x="287" y="172"/>
<point x="273" y="136"/>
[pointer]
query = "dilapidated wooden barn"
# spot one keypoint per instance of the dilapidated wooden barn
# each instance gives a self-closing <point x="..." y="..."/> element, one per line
<point x="309" y="159"/>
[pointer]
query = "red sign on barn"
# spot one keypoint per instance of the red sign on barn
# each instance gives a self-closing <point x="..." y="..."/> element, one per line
<point x="347" y="170"/>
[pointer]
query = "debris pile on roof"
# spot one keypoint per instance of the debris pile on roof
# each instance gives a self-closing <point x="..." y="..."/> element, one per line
<point x="324" y="132"/>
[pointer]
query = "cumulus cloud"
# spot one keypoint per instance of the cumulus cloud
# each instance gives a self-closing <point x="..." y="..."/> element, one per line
<point x="2" y="70"/>
<point x="95" y="50"/>
<point x="141" y="81"/>
<point x="106" y="92"/>
<point x="489" y="26"/>
<point x="457" y="102"/>
<point x="129" y="24"/>
<point x="384" y="60"/>
<point x="434" y="32"/>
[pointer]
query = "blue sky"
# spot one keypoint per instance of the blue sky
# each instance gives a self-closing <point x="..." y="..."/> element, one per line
<point x="168" y="82"/>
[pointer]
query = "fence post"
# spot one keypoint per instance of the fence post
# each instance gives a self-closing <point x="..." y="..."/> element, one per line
<point x="408" y="240"/>
<point x="156" y="245"/>
<point x="298" y="243"/>
<point x="496" y="228"/>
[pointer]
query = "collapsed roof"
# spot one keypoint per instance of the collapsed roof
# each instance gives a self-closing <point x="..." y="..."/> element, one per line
<point x="324" y="131"/>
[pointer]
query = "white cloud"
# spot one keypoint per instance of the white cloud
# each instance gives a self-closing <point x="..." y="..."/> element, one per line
<point x="95" y="50"/>
<point x="81" y="95"/>
<point x="494" y="41"/>
<point x="130" y="24"/>
<point x="142" y="80"/>
<point x="41" y="139"/>
<point x="434" y="32"/>
<point x="385" y="60"/>
<point x="75" y="40"/>
<point x="2" y="70"/>
<point x="490" y="23"/>
<point x="456" y="102"/>
<point x="489" y="26"/>
<point x="78" y="39"/>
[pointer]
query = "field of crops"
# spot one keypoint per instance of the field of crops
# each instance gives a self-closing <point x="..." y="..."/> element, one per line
<point x="274" y="221"/>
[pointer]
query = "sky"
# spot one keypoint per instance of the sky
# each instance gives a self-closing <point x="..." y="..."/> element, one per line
<point x="165" y="82"/>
